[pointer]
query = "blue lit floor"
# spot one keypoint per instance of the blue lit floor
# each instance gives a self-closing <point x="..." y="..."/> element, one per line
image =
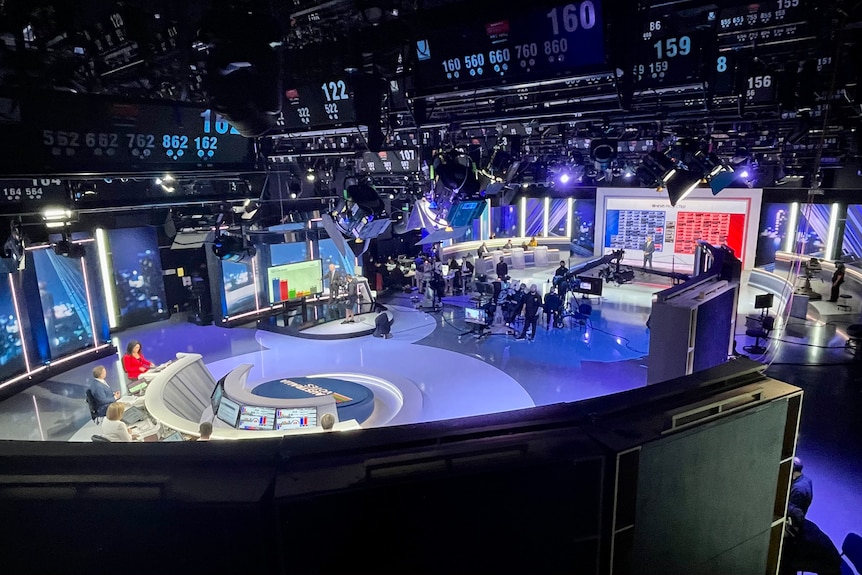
<point x="462" y="376"/>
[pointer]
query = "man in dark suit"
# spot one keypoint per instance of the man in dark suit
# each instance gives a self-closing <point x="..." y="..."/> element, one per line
<point x="334" y="278"/>
<point x="531" y="306"/>
<point x="649" y="249"/>
<point x="502" y="269"/>
<point x="102" y="392"/>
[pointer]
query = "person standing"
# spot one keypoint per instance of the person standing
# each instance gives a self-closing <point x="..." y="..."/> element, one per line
<point x="553" y="308"/>
<point x="801" y="493"/>
<point x="334" y="277"/>
<point x="352" y="289"/>
<point x="649" y="249"/>
<point x="502" y="269"/>
<point x="134" y="362"/>
<point x="837" y="280"/>
<point x="531" y="306"/>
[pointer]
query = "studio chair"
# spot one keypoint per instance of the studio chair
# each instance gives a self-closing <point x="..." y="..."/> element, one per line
<point x="759" y="333"/>
<point x="852" y="550"/>
<point x="93" y="406"/>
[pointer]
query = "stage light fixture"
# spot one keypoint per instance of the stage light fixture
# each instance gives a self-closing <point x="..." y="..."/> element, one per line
<point x="362" y="214"/>
<point x="455" y="170"/>
<point x="231" y="248"/>
<point x="68" y="248"/>
<point x="603" y="152"/>
<point x="680" y="183"/>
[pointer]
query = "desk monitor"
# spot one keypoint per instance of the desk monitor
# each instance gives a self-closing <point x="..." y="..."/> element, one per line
<point x="175" y="436"/>
<point x="252" y="417"/>
<point x="217" y="394"/>
<point x="228" y="411"/>
<point x="296" y="418"/>
<point x="475" y="315"/>
<point x="763" y="301"/>
<point x="133" y="415"/>
<point x="589" y="286"/>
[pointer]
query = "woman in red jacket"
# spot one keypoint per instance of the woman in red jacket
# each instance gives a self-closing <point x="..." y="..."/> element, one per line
<point x="134" y="362"/>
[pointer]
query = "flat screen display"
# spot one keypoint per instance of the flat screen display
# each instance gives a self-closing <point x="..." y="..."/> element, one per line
<point x="11" y="352"/>
<point x="287" y="253"/>
<point x="296" y="418"/>
<point x="294" y="281"/>
<point x="252" y="417"/>
<point x="139" y="287"/>
<point x="474" y="314"/>
<point x="228" y="411"/>
<point x="238" y="285"/>
<point x="590" y="286"/>
<point x="65" y="309"/>
<point x="463" y="213"/>
<point x="218" y="393"/>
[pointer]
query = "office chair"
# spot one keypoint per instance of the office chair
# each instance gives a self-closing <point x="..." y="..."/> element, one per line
<point x="93" y="406"/>
<point x="100" y="439"/>
<point x="759" y="333"/>
<point x="852" y="550"/>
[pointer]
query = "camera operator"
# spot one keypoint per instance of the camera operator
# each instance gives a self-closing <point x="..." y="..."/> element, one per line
<point x="554" y="309"/>
<point x="532" y="305"/>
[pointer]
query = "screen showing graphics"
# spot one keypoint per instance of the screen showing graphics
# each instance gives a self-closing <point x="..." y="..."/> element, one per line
<point x="64" y="301"/>
<point x="292" y="281"/>
<point x="812" y="229"/>
<point x="256" y="418"/>
<point x="675" y="230"/>
<point x="287" y="253"/>
<point x="228" y="411"/>
<point x="628" y="229"/>
<point x="297" y="418"/>
<point x="774" y="221"/>
<point x="463" y="213"/>
<point x="853" y="231"/>
<point x="11" y="352"/>
<point x="535" y="215"/>
<point x="583" y="227"/>
<point x="238" y="285"/>
<point x="474" y="315"/>
<point x="139" y="287"/>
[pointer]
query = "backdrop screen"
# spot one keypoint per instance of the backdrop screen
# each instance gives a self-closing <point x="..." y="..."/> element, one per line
<point x="293" y="281"/>
<point x="238" y="285"/>
<point x="853" y="231"/>
<point x="773" y="231"/>
<point x="287" y="253"/>
<point x="140" y="289"/>
<point x="11" y="352"/>
<point x="329" y="254"/>
<point x="64" y="301"/>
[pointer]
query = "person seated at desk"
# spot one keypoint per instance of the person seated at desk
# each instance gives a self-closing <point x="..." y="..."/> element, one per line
<point x="502" y="269"/>
<point x="327" y="422"/>
<point x="112" y="427"/>
<point x="534" y="243"/>
<point x="205" y="431"/>
<point x="483" y="249"/>
<point x="134" y="362"/>
<point x="101" y="390"/>
<point x="508" y="245"/>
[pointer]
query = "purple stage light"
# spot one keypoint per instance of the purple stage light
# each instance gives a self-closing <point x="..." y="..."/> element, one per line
<point x="564" y="179"/>
<point x="743" y="174"/>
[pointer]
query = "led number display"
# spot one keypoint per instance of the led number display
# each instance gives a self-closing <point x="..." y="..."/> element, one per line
<point x="764" y="24"/>
<point x="670" y="52"/>
<point x="532" y="45"/>
<point x="322" y="104"/>
<point x="73" y="134"/>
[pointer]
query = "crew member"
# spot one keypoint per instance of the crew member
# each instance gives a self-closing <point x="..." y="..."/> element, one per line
<point x="837" y="280"/>
<point x="134" y="362"/>
<point x="648" y="248"/>
<point x="532" y="306"/>
<point x="553" y="308"/>
<point x="502" y="269"/>
<point x="562" y="270"/>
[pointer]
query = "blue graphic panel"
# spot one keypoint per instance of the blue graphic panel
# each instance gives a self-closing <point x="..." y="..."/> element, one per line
<point x="288" y="253"/>
<point x="140" y="289"/>
<point x="11" y="351"/>
<point x="64" y="301"/>
<point x="329" y="254"/>
<point x="535" y="215"/>
<point x="584" y="226"/>
<point x="238" y="285"/>
<point x="852" y="245"/>
<point x="773" y="231"/>
<point x="628" y="229"/>
<point x="812" y="229"/>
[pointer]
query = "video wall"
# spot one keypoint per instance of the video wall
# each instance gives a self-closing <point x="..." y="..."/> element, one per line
<point x="631" y="216"/>
<point x="139" y="286"/>
<point x="812" y="229"/>
<point x="852" y="244"/>
<point x="584" y="227"/>
<point x="329" y="254"/>
<point x="11" y="350"/>
<point x="772" y="236"/>
<point x="294" y="281"/>
<point x="239" y="287"/>
<point x="63" y="295"/>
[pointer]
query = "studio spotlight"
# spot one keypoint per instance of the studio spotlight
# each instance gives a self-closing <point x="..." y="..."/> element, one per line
<point x="603" y="152"/>
<point x="456" y="171"/>
<point x="719" y="175"/>
<point x="564" y="178"/>
<point x="362" y="214"/>
<point x="680" y="183"/>
<point x="231" y="248"/>
<point x="68" y="248"/>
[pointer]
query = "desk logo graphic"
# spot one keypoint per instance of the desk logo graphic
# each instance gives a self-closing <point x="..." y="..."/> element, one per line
<point x="423" y="50"/>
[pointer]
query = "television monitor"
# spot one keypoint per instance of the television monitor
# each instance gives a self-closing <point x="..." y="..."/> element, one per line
<point x="296" y="418"/>
<point x="139" y="286"/>
<point x="589" y="286"/>
<point x="252" y="417"/>
<point x="474" y="315"/>
<point x="228" y="411"/>
<point x="238" y="286"/>
<point x="763" y="301"/>
<point x="217" y="394"/>
<point x="294" y="281"/>
<point x="175" y="436"/>
<point x="463" y="213"/>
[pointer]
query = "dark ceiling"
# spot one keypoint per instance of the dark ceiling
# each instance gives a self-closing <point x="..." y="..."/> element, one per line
<point x="146" y="49"/>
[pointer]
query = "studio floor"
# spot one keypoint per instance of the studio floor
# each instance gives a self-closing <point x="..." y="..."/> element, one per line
<point x="456" y="375"/>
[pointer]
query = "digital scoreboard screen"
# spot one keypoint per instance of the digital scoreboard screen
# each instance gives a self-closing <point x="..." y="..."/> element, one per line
<point x="526" y="46"/>
<point x="78" y="134"/>
<point x="328" y="103"/>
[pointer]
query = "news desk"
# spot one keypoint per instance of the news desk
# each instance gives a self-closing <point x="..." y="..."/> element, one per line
<point x="178" y="396"/>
